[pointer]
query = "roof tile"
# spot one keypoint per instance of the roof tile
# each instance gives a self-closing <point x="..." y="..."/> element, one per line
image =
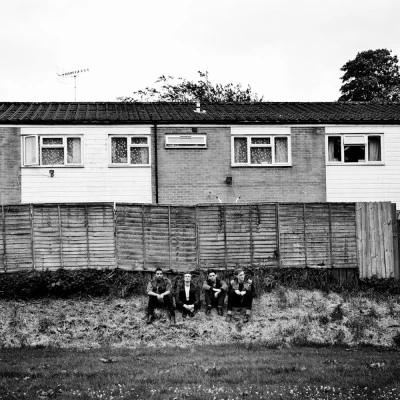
<point x="263" y="112"/>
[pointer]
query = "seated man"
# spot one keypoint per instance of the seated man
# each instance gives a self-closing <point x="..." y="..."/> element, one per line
<point x="240" y="294"/>
<point x="214" y="292"/>
<point x="188" y="297"/>
<point x="159" y="292"/>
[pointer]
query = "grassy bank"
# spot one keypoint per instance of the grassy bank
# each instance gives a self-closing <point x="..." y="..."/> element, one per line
<point x="235" y="371"/>
<point x="281" y="317"/>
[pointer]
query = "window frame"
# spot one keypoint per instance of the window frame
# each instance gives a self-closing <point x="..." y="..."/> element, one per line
<point x="129" y="145"/>
<point x="39" y="146"/>
<point x="272" y="138"/>
<point x="366" y="144"/>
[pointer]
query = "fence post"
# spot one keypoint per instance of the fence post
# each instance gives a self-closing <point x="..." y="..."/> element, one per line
<point x="169" y="237"/>
<point x="305" y="234"/>
<point x="225" y="244"/>
<point x="330" y="235"/>
<point x="31" y="218"/>
<point x="143" y="240"/>
<point x="359" y="239"/>
<point x="197" y="236"/>
<point x="251" y="236"/>
<point x="87" y="235"/>
<point x="116" y="235"/>
<point x="278" y="235"/>
<point x="4" y="239"/>
<point x="396" y="243"/>
<point x="60" y="236"/>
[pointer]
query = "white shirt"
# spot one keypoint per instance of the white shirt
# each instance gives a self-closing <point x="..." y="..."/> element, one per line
<point x="187" y="289"/>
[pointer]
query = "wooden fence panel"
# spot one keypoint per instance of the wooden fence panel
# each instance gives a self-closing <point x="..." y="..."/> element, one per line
<point x="375" y="234"/>
<point x="344" y="235"/>
<point x="238" y="236"/>
<point x="265" y="234"/>
<point x="47" y="239"/>
<point x="318" y="235"/>
<point x="211" y="237"/>
<point x="292" y="235"/>
<point x="17" y="241"/>
<point x="156" y="236"/>
<point x="183" y="243"/>
<point x="130" y="243"/>
<point x="74" y="236"/>
<point x="101" y="235"/>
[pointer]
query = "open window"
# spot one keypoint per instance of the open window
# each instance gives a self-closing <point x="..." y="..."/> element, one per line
<point x="355" y="148"/>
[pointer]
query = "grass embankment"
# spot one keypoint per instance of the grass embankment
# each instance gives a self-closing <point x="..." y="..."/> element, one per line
<point x="103" y="349"/>
<point x="280" y="317"/>
<point x="235" y="371"/>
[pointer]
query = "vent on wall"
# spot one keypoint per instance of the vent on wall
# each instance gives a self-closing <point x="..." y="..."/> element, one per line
<point x="185" y="141"/>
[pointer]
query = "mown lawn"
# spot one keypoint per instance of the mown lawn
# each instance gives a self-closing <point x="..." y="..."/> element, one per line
<point x="235" y="371"/>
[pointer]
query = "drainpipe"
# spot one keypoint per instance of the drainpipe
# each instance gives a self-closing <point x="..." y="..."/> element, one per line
<point x="155" y="162"/>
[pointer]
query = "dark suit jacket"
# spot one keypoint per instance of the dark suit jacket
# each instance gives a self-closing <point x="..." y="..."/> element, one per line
<point x="194" y="296"/>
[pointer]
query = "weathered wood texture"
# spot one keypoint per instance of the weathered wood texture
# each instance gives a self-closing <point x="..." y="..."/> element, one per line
<point x="142" y="237"/>
<point x="149" y="236"/>
<point x="377" y="240"/>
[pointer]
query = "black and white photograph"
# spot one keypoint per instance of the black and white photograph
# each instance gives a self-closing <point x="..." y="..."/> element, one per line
<point x="199" y="200"/>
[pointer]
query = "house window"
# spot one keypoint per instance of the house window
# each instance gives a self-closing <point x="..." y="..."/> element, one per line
<point x="130" y="150"/>
<point x="261" y="150"/>
<point x="354" y="149"/>
<point x="52" y="150"/>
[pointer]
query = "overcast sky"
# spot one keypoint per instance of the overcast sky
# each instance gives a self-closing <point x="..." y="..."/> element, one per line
<point x="287" y="50"/>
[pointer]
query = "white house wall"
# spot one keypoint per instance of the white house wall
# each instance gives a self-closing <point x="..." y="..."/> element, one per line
<point x="367" y="182"/>
<point x="95" y="181"/>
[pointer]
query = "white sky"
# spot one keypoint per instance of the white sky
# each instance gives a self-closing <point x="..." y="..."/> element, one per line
<point x="287" y="50"/>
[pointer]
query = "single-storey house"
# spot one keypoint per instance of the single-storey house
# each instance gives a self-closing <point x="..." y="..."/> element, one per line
<point x="187" y="153"/>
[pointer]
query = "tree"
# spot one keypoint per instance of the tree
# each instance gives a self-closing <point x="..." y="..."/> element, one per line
<point x="372" y="76"/>
<point x="182" y="90"/>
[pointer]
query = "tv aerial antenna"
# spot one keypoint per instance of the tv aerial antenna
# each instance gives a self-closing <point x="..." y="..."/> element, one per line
<point x="67" y="75"/>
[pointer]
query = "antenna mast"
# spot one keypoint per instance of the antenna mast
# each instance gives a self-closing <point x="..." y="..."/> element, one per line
<point x="73" y="74"/>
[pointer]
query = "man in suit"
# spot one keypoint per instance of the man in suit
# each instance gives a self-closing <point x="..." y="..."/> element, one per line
<point x="240" y="294"/>
<point x="214" y="292"/>
<point x="159" y="292"/>
<point x="188" y="297"/>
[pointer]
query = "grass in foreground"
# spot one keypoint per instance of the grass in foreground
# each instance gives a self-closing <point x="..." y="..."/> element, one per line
<point x="236" y="371"/>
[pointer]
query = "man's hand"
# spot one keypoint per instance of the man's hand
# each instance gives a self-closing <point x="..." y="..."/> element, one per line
<point x="160" y="296"/>
<point x="243" y="293"/>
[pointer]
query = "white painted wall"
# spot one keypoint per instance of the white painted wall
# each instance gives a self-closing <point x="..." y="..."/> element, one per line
<point x="95" y="181"/>
<point x="367" y="182"/>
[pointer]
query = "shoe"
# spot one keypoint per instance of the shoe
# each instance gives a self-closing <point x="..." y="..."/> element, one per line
<point x="208" y="310"/>
<point x="150" y="319"/>
<point x="184" y="315"/>
<point x="172" y="320"/>
<point x="229" y="318"/>
<point x="191" y="314"/>
<point x="246" y="318"/>
<point x="220" y="311"/>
